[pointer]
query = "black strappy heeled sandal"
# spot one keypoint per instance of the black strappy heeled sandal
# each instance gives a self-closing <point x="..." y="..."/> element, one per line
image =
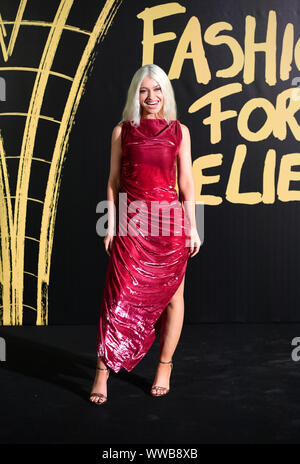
<point x="158" y="388"/>
<point x="100" y="395"/>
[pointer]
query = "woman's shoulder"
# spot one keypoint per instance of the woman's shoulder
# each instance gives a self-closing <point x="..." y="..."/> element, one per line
<point x="183" y="127"/>
<point x="181" y="124"/>
<point x="121" y="125"/>
<point x="117" y="129"/>
<point x="121" y="130"/>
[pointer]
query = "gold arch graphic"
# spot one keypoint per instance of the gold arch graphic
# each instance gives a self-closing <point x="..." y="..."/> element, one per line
<point x="13" y="222"/>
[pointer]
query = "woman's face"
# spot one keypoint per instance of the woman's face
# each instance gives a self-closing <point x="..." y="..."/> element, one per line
<point x="151" y="99"/>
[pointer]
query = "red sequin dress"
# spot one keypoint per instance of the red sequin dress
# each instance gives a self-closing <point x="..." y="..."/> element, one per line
<point x="147" y="264"/>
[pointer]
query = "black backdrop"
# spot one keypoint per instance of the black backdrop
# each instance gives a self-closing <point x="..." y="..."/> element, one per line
<point x="248" y="268"/>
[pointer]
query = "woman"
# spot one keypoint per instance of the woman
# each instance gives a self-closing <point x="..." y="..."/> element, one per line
<point x="144" y="283"/>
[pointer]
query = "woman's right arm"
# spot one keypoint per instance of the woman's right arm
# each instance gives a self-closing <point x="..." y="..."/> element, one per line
<point x="113" y="184"/>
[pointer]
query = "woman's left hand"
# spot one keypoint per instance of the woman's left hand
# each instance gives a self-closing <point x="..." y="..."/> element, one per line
<point x="194" y="242"/>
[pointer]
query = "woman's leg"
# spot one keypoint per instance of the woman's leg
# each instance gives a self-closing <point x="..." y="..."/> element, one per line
<point x="171" y="326"/>
<point x="99" y="385"/>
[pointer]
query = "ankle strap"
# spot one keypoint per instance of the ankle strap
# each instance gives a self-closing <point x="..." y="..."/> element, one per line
<point x="103" y="368"/>
<point x="166" y="362"/>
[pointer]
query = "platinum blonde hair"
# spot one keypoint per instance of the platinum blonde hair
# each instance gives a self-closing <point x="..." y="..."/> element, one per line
<point x="132" y="109"/>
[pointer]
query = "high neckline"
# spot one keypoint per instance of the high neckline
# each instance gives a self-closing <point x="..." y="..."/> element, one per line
<point x="152" y="130"/>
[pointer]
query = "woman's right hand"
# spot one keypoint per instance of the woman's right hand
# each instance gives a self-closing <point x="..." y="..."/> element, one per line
<point x="108" y="241"/>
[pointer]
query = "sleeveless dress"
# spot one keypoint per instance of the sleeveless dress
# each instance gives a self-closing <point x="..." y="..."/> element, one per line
<point x="149" y="251"/>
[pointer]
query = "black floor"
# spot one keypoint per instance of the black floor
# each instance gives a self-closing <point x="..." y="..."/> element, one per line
<point x="231" y="383"/>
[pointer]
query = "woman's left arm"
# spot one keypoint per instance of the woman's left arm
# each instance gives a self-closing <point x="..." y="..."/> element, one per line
<point x="186" y="187"/>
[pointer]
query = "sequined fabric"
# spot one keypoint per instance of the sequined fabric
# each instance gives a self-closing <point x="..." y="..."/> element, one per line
<point x="146" y="267"/>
